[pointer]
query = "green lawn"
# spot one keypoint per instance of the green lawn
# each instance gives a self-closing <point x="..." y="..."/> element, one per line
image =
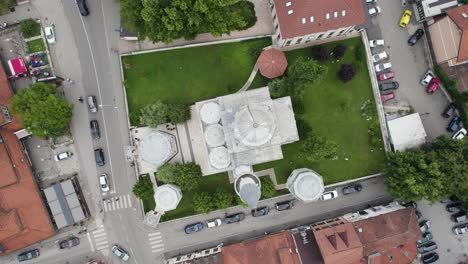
<point x="36" y="46"/>
<point x="332" y="109"/>
<point x="5" y="5"/>
<point x="188" y="75"/>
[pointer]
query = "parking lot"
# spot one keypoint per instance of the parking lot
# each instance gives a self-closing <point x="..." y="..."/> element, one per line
<point x="409" y="63"/>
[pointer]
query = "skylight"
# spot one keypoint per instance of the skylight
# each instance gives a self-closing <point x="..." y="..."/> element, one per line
<point x="311" y="19"/>
<point x="335" y="14"/>
<point x="290" y="11"/>
<point x="288" y="3"/>
<point x="304" y="20"/>
<point x="343" y="13"/>
<point x="327" y="16"/>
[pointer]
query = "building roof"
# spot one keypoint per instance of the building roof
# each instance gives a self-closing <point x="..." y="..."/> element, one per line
<point x="407" y="132"/>
<point x="273" y="249"/>
<point x="339" y="244"/>
<point x="302" y="17"/>
<point x="167" y="197"/>
<point x="272" y="63"/>
<point x="17" y="66"/>
<point x="165" y="145"/>
<point x="445" y="39"/>
<point x="459" y="15"/>
<point x="392" y="236"/>
<point x="305" y="184"/>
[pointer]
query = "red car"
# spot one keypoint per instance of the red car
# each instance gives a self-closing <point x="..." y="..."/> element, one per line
<point x="386" y="76"/>
<point x="433" y="85"/>
<point x="386" y="97"/>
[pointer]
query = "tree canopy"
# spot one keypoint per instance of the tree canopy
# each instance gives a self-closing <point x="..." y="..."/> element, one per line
<point x="314" y="148"/>
<point x="143" y="188"/>
<point x="268" y="189"/>
<point x="187" y="176"/>
<point x="347" y="72"/>
<point x="41" y="111"/>
<point x="433" y="172"/>
<point x="203" y="203"/>
<point x="222" y="198"/>
<point x="158" y="113"/>
<point x="162" y="20"/>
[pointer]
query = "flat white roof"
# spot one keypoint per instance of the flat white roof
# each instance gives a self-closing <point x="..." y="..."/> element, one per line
<point x="407" y="132"/>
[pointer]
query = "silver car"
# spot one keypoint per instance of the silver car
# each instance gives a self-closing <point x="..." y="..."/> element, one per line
<point x="426" y="79"/>
<point x="120" y="253"/>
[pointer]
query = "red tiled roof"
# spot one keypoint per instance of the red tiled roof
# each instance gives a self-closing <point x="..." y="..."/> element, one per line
<point x="457" y="16"/>
<point x="273" y="249"/>
<point x="272" y="63"/>
<point x="291" y="24"/>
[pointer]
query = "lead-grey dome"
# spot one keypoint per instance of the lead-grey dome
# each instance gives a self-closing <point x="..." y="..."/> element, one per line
<point x="220" y="158"/>
<point x="305" y="184"/>
<point x="210" y="113"/>
<point x="167" y="197"/>
<point x="157" y="148"/>
<point x="254" y="125"/>
<point x="214" y="135"/>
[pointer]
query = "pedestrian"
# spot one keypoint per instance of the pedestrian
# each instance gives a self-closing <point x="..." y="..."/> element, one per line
<point x="80" y="99"/>
<point x="68" y="79"/>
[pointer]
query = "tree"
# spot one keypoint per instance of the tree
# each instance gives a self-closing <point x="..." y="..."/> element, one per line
<point x="41" y="111"/>
<point x="30" y="28"/>
<point x="178" y="113"/>
<point x="303" y="72"/>
<point x="279" y="87"/>
<point x="158" y="113"/>
<point x="222" y="198"/>
<point x="203" y="203"/>
<point x="315" y="148"/>
<point x="143" y="188"/>
<point x="320" y="53"/>
<point x="130" y="12"/>
<point x="187" y="176"/>
<point x="346" y="72"/>
<point x="268" y="189"/>
<point x="339" y="51"/>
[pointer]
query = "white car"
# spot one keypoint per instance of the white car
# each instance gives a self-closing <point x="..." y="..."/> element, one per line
<point x="104" y="182"/>
<point x="382" y="66"/>
<point x="213" y="223"/>
<point x="329" y="195"/>
<point x="119" y="252"/>
<point x="426" y="79"/>
<point x="375" y="11"/>
<point x="63" y="156"/>
<point x="376" y="43"/>
<point x="460" y="134"/>
<point x="371" y="1"/>
<point x="378" y="57"/>
<point x="49" y="34"/>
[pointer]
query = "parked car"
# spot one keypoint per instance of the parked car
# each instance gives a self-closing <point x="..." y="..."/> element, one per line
<point x="375" y="11"/>
<point x="379" y="56"/>
<point x="386" y="76"/>
<point x="34" y="253"/>
<point x="99" y="157"/>
<point x="382" y="66"/>
<point x="104" y="182"/>
<point x="418" y="214"/>
<point x="386" y="97"/>
<point x="63" y="156"/>
<point x="410" y="204"/>
<point x="92" y="104"/>
<point x="460" y="134"/>
<point x="426" y="237"/>
<point x="388" y="86"/>
<point x="460" y="229"/>
<point x="49" y="34"/>
<point x="234" y="218"/>
<point x="69" y="243"/>
<point x="374" y="43"/>
<point x="426" y="79"/>
<point x="424" y="225"/>
<point x="260" y="211"/>
<point x="95" y="133"/>
<point x="120" y="252"/>
<point x="84" y="11"/>
<point x="427" y="247"/>
<point x="371" y="1"/>
<point x="454" y="207"/>
<point x="415" y="37"/>
<point x="459" y="217"/>
<point x="286" y="205"/>
<point x="449" y="110"/>
<point x="450" y="199"/>
<point x="430" y="258"/>
<point x="214" y="222"/>
<point x="454" y="124"/>
<point x="329" y="195"/>
<point x="193" y="228"/>
<point x="405" y="19"/>
<point x="433" y="85"/>
<point x="351" y="189"/>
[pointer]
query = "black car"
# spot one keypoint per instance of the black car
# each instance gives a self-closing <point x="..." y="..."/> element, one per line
<point x="418" y="215"/>
<point x="459" y="217"/>
<point x="449" y="110"/>
<point x="415" y="37"/>
<point x="454" y="207"/>
<point x="82" y="7"/>
<point x="95" y="133"/>
<point x="234" y="218"/>
<point x="352" y="188"/>
<point x="428" y="247"/>
<point x="430" y="258"/>
<point x="260" y="211"/>
<point x="386" y="86"/>
<point x="410" y="204"/>
<point x="99" y="157"/>
<point x="281" y="206"/>
<point x="28" y="255"/>
<point x="450" y="199"/>
<point x="454" y="124"/>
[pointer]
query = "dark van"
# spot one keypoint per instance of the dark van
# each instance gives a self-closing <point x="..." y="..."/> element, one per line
<point x="99" y="157"/>
<point x="82" y="7"/>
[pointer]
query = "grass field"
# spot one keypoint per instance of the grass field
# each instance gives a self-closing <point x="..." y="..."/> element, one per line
<point x="36" y="46"/>
<point x="332" y="109"/>
<point x="188" y="75"/>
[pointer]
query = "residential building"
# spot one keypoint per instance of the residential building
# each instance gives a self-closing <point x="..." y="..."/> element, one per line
<point x="300" y="21"/>
<point x="23" y="217"/>
<point x="427" y="9"/>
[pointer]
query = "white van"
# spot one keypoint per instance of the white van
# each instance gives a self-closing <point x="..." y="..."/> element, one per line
<point x="92" y="104"/>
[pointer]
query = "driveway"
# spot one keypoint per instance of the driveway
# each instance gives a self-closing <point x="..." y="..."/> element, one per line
<point x="409" y="64"/>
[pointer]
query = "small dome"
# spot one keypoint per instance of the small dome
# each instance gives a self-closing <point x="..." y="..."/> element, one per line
<point x="219" y="158"/>
<point x="305" y="184"/>
<point x="214" y="135"/>
<point x="167" y="197"/>
<point x="254" y="125"/>
<point x="156" y="148"/>
<point x="210" y="113"/>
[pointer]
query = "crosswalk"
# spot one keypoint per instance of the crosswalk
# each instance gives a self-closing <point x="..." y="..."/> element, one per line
<point x="118" y="202"/>
<point x="99" y="239"/>
<point x="156" y="242"/>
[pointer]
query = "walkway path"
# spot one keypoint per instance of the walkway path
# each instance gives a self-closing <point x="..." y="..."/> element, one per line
<point x="250" y="80"/>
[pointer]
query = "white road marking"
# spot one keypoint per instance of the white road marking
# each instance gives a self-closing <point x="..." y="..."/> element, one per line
<point x="155" y="238"/>
<point x="99" y="231"/>
<point x="117" y="205"/>
<point x="125" y="202"/>
<point x="121" y="203"/>
<point x="112" y="205"/>
<point x="157" y="246"/>
<point x="99" y="235"/>
<point x="154" y="234"/>
<point x="105" y="206"/>
<point x="157" y="250"/>
<point x="90" y="242"/>
<point x="129" y="200"/>
<point x="101" y="243"/>
<point x="112" y="192"/>
<point x="131" y="250"/>
<point x="156" y="242"/>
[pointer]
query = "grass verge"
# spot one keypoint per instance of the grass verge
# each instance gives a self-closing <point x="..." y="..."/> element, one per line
<point x="36" y="46"/>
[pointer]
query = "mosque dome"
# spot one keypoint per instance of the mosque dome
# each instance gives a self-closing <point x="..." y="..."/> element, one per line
<point x="210" y="113"/>
<point x="220" y="158"/>
<point x="214" y="135"/>
<point x="254" y="125"/>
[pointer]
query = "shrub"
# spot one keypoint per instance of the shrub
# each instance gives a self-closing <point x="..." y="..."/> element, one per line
<point x="320" y="53"/>
<point x="268" y="189"/>
<point x="451" y="86"/>
<point x="222" y="198"/>
<point x="303" y="128"/>
<point x="246" y="11"/>
<point x="359" y="53"/>
<point x="187" y="176"/>
<point x="347" y="72"/>
<point x="203" y="203"/>
<point x="339" y="51"/>
<point x="30" y="28"/>
<point x="143" y="188"/>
